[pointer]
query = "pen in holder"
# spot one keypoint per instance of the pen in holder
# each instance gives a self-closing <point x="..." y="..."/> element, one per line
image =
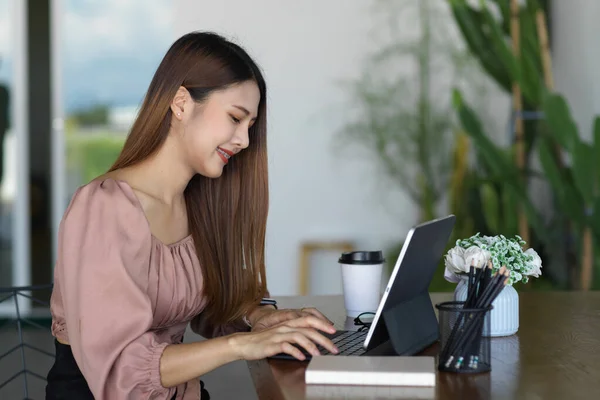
<point x="464" y="348"/>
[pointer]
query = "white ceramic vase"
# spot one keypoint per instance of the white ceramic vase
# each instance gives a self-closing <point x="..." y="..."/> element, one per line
<point x="505" y="314"/>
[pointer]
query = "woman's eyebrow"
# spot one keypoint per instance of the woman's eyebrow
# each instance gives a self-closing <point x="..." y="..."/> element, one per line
<point x="243" y="109"/>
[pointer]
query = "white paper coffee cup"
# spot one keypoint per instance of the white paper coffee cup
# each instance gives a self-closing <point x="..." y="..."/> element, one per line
<point x="361" y="280"/>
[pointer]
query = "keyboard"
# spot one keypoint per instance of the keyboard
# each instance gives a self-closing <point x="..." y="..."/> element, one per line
<point x="349" y="343"/>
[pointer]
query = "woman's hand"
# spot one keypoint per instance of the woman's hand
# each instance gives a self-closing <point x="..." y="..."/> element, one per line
<point x="268" y="317"/>
<point x="281" y="338"/>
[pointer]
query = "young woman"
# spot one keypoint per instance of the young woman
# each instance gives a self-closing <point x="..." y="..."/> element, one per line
<point x="174" y="234"/>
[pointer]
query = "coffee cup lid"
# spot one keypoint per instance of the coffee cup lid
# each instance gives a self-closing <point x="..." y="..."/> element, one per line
<point x="362" y="257"/>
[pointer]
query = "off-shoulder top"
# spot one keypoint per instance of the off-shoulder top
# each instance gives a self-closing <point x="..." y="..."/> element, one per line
<point x="121" y="295"/>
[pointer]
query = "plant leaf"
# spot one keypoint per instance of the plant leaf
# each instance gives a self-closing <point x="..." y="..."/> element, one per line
<point x="597" y="156"/>
<point x="531" y="77"/>
<point x="583" y="171"/>
<point x="498" y="42"/>
<point x="500" y="165"/>
<point x="471" y="23"/>
<point x="569" y="199"/>
<point x="559" y="120"/>
<point x="495" y="158"/>
<point x="509" y="211"/>
<point x="595" y="221"/>
<point x="491" y="211"/>
<point x="504" y="8"/>
<point x="550" y="168"/>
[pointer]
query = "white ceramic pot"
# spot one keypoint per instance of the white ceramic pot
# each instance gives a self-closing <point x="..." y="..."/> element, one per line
<point x="505" y="314"/>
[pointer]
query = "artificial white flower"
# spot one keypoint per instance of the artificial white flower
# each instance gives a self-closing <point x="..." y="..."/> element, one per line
<point x="451" y="276"/>
<point x="476" y="257"/>
<point x="455" y="261"/>
<point x="458" y="261"/>
<point x="500" y="250"/>
<point x="536" y="263"/>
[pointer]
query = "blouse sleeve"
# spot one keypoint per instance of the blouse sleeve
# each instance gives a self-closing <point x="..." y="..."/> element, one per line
<point x="103" y="265"/>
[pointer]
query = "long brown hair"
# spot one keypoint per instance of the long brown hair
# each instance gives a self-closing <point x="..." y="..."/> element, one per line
<point x="227" y="216"/>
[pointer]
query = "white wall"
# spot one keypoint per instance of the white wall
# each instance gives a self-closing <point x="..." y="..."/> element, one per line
<point x="304" y="47"/>
<point x="576" y="58"/>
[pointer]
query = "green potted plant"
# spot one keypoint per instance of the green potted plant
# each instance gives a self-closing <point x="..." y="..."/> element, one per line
<point x="494" y="251"/>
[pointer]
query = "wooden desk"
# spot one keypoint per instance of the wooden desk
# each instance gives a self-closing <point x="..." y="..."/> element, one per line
<point x="555" y="355"/>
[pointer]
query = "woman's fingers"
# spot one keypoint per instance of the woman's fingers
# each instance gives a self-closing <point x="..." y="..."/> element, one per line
<point x="316" y="337"/>
<point x="316" y="313"/>
<point x="302" y="339"/>
<point x="311" y="322"/>
<point x="292" y="351"/>
<point x="291" y="314"/>
<point x="308" y="339"/>
<point x="311" y="334"/>
<point x="291" y="338"/>
<point x="283" y="316"/>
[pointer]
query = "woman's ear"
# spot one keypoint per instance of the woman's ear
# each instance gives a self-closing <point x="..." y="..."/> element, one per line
<point x="180" y="100"/>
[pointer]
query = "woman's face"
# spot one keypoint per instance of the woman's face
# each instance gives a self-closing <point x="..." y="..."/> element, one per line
<point x="217" y="129"/>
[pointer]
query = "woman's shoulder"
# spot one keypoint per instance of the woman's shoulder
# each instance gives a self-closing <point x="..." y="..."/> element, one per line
<point x="105" y="200"/>
<point x="106" y="190"/>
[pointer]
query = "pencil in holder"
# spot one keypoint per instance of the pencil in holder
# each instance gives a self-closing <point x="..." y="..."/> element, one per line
<point x="464" y="348"/>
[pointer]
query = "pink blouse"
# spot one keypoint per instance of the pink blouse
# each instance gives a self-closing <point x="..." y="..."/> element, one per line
<point x="121" y="295"/>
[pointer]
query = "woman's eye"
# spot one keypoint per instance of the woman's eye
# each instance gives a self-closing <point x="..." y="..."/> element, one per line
<point x="234" y="119"/>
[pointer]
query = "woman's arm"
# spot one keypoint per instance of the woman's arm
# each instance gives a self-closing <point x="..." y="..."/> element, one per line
<point x="200" y="326"/>
<point x="182" y="362"/>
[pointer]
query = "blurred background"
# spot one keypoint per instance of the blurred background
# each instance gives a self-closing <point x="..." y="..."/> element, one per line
<point x="382" y="114"/>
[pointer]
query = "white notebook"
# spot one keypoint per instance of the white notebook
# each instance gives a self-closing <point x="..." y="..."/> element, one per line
<point x="364" y="392"/>
<point x="371" y="370"/>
